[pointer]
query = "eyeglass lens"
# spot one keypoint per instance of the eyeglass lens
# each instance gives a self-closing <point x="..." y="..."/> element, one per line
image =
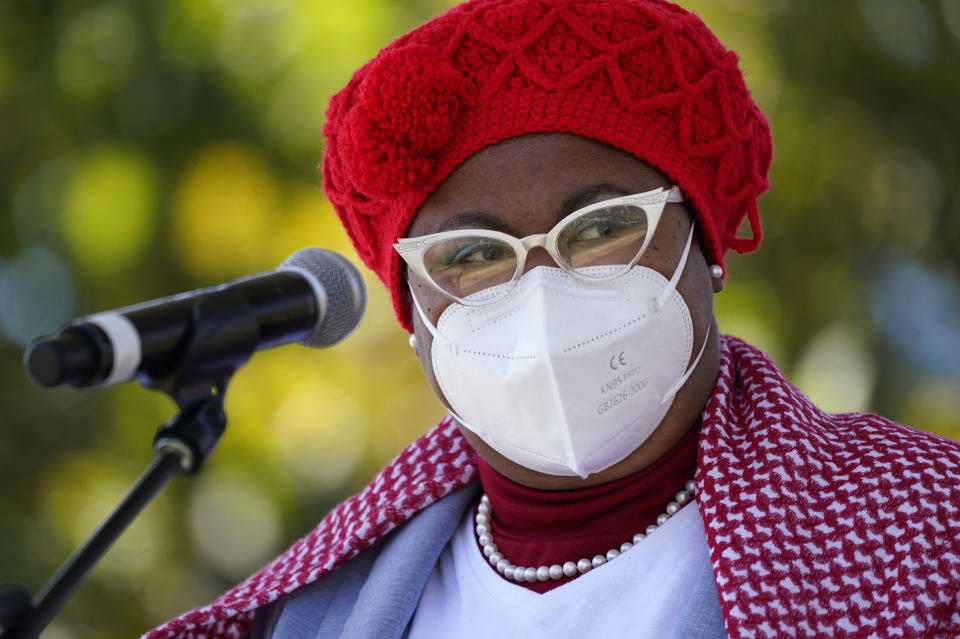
<point x="611" y="235"/>
<point x="465" y="265"/>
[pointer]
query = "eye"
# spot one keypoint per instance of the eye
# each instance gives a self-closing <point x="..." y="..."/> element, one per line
<point x="476" y="253"/>
<point x="607" y="235"/>
<point x="462" y="265"/>
<point x="604" y="225"/>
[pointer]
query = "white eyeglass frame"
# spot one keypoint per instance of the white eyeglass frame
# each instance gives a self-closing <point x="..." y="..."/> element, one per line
<point x="412" y="249"/>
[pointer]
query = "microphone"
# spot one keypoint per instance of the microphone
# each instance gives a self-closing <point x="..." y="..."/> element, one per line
<point x="316" y="297"/>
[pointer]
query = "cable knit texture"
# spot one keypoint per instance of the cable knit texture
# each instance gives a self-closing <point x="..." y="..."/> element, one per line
<point x="818" y="525"/>
<point x="644" y="76"/>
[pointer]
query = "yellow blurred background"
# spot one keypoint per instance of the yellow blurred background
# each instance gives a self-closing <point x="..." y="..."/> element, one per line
<point x="149" y="148"/>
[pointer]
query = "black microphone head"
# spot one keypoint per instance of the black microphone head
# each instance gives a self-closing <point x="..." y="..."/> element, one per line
<point x="346" y="295"/>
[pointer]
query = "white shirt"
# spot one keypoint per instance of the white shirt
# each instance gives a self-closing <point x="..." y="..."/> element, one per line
<point x="639" y="594"/>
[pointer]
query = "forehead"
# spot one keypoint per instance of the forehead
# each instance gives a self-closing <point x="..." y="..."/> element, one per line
<point x="524" y="182"/>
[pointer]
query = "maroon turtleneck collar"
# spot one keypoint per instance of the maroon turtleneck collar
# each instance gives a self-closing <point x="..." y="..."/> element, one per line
<point x="542" y="527"/>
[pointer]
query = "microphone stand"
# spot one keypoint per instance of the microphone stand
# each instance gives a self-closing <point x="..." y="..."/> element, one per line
<point x="223" y="336"/>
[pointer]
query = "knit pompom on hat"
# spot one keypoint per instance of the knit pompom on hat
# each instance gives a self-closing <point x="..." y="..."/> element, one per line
<point x="644" y="76"/>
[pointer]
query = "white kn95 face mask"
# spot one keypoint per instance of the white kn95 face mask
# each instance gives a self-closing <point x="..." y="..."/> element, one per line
<point x="564" y="376"/>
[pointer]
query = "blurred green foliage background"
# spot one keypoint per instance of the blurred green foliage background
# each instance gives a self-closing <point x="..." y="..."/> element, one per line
<point x="152" y="147"/>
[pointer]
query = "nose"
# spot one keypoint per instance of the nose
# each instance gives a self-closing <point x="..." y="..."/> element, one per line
<point x="538" y="256"/>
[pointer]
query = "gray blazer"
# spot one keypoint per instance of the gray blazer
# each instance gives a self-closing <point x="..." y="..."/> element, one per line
<point x="374" y="595"/>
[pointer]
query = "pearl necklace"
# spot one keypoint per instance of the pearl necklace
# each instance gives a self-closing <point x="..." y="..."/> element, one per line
<point x="521" y="574"/>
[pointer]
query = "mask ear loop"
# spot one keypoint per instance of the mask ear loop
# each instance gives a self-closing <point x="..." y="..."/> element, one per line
<point x="671" y="286"/>
<point x="683" y="380"/>
<point x="677" y="272"/>
<point x="434" y="331"/>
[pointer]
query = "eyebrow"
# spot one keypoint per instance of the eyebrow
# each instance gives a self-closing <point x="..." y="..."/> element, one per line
<point x="591" y="194"/>
<point x="578" y="199"/>
<point x="473" y="220"/>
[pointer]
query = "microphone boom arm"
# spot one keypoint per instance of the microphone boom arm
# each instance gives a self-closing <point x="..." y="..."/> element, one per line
<point x="222" y="336"/>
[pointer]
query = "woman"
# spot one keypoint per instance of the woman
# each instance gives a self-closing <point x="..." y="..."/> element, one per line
<point x="548" y="190"/>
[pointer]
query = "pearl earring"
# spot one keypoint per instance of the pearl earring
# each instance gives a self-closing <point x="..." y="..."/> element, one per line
<point x="413" y="341"/>
<point x="716" y="271"/>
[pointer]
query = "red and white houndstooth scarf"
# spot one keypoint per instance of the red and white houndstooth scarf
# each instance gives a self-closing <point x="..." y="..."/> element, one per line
<point x="818" y="525"/>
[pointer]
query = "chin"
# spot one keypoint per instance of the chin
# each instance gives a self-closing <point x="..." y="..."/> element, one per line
<point x="634" y="462"/>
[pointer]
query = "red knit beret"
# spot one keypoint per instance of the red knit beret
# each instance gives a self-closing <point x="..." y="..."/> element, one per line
<point x="644" y="76"/>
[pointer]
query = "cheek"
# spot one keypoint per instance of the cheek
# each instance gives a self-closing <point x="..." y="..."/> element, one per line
<point x="696" y="287"/>
<point x="433" y="304"/>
